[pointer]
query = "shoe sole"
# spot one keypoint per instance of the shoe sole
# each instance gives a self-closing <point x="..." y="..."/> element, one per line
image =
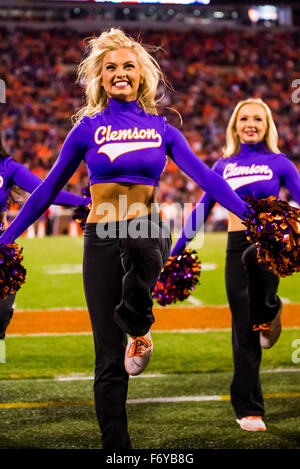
<point x="264" y="341"/>
<point x="250" y="429"/>
<point x="139" y="371"/>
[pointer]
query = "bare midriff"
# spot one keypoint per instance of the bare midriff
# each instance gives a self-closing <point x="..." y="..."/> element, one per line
<point x="113" y="201"/>
<point x="235" y="223"/>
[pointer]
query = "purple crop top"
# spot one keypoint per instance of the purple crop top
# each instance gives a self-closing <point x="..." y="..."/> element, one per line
<point x="255" y="171"/>
<point x="126" y="145"/>
<point x="122" y="144"/>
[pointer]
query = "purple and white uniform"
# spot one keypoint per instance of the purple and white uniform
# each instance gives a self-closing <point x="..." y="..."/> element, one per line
<point x="14" y="173"/>
<point x="122" y="144"/>
<point x="254" y="171"/>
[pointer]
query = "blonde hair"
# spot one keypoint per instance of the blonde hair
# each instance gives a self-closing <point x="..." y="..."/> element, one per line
<point x="90" y="73"/>
<point x="233" y="144"/>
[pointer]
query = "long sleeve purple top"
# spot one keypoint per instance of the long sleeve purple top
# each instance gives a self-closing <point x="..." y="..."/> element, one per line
<point x="123" y="143"/>
<point x="254" y="171"/>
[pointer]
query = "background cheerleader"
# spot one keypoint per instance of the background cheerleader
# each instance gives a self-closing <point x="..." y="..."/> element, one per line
<point x="13" y="173"/>
<point x="252" y="165"/>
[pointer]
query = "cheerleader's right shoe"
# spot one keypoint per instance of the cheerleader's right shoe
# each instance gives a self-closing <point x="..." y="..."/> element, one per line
<point x="252" y="424"/>
<point x="138" y="353"/>
<point x="270" y="332"/>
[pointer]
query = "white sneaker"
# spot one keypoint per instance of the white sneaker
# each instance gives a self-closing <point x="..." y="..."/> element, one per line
<point x="271" y="332"/>
<point x="138" y="353"/>
<point x="252" y="424"/>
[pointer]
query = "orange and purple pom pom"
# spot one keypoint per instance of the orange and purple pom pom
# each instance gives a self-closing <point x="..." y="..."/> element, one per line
<point x="178" y="278"/>
<point x="12" y="272"/>
<point x="274" y="226"/>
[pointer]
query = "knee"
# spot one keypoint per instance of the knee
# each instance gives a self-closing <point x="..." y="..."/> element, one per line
<point x="249" y="256"/>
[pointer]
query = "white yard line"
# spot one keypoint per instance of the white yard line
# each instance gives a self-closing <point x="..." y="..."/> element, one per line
<point x="158" y="400"/>
<point x="194" y="301"/>
<point x="79" y="378"/>
<point x="162" y="375"/>
<point x="153" y="400"/>
<point x="57" y="269"/>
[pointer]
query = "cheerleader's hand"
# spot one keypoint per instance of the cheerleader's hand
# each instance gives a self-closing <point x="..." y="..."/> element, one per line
<point x="12" y="272"/>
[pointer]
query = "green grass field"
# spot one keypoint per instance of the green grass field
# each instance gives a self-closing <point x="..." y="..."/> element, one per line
<point x="54" y="274"/>
<point x="46" y="387"/>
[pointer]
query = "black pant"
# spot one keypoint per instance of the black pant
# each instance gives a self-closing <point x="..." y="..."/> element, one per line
<point x="251" y="291"/>
<point x="264" y="303"/>
<point x="6" y="312"/>
<point x="119" y="275"/>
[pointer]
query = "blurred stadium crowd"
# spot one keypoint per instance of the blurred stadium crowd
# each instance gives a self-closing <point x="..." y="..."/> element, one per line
<point x="208" y="73"/>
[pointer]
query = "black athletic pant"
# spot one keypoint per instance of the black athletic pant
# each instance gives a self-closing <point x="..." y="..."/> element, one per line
<point x="6" y="312"/>
<point x="119" y="274"/>
<point x="251" y="291"/>
<point x="264" y="303"/>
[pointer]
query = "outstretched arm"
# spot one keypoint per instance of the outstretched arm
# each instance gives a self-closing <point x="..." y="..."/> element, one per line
<point x="290" y="177"/>
<point x="197" y="218"/>
<point x="28" y="181"/>
<point x="68" y="161"/>
<point x="193" y="223"/>
<point x="213" y="184"/>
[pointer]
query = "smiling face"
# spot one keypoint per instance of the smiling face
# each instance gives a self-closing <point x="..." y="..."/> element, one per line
<point x="251" y="124"/>
<point x="121" y="75"/>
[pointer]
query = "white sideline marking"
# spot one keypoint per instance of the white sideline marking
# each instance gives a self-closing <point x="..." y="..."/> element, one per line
<point x="154" y="400"/>
<point x="84" y="308"/>
<point x="56" y="269"/>
<point x="194" y="301"/>
<point x="208" y="266"/>
<point x="282" y="370"/>
<point x="50" y="310"/>
<point x="79" y="378"/>
<point x="63" y="269"/>
<point x="156" y="331"/>
<point x="162" y="375"/>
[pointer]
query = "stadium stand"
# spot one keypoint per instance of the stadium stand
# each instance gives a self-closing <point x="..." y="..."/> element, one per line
<point x="209" y="73"/>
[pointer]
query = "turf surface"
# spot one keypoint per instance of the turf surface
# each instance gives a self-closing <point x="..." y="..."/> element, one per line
<point x="69" y="422"/>
<point x="39" y="410"/>
<point x="54" y="277"/>
<point x="203" y="352"/>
